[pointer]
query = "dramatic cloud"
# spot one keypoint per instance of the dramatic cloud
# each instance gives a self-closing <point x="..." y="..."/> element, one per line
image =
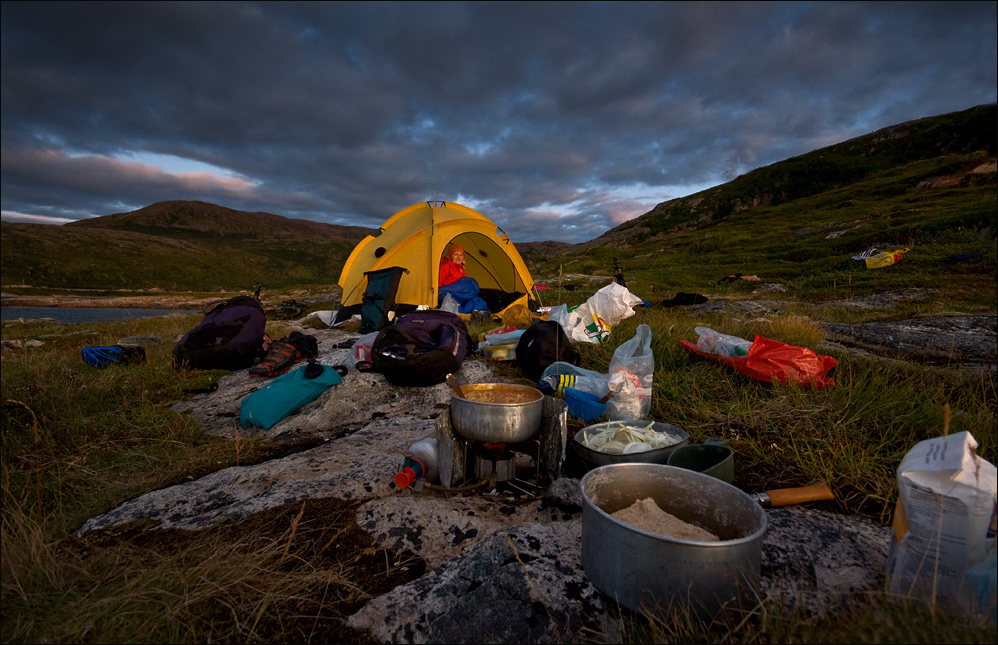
<point x="556" y="120"/>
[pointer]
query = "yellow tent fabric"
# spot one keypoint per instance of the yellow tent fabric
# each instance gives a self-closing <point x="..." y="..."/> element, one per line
<point x="416" y="237"/>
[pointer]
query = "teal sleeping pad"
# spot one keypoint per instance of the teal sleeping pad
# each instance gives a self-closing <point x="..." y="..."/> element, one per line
<point x="284" y="395"/>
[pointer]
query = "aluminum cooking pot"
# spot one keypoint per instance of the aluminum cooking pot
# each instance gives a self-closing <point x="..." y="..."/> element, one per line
<point x="502" y="413"/>
<point x="649" y="572"/>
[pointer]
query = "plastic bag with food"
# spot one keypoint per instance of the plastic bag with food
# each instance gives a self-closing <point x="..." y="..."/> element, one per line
<point x="632" y="372"/>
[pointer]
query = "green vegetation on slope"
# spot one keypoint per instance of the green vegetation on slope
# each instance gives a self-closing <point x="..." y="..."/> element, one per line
<point x="935" y="207"/>
<point x="189" y="246"/>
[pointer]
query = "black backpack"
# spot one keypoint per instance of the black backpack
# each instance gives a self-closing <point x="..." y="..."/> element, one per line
<point x="229" y="337"/>
<point x="421" y="348"/>
<point x="543" y="343"/>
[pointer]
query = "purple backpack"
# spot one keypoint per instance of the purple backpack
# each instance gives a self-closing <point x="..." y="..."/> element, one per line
<point x="421" y="348"/>
<point x="229" y="337"/>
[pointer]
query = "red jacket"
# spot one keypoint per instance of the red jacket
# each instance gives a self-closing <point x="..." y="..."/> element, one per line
<point x="450" y="272"/>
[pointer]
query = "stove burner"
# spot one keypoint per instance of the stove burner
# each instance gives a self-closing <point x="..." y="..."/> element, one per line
<point x="494" y="459"/>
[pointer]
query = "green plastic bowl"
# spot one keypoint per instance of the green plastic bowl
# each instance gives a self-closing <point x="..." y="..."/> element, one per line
<point x="707" y="458"/>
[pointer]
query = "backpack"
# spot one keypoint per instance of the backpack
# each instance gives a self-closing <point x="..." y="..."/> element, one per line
<point x="543" y="343"/>
<point x="229" y="338"/>
<point x="421" y="348"/>
<point x="379" y="298"/>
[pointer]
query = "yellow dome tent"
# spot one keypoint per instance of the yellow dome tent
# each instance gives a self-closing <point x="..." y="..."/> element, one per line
<point x="416" y="238"/>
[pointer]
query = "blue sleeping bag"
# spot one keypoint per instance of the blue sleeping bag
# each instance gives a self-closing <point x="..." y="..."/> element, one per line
<point x="287" y="393"/>
<point x="465" y="291"/>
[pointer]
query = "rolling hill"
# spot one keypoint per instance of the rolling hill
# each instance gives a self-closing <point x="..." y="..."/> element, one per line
<point x="177" y="245"/>
<point x="926" y="185"/>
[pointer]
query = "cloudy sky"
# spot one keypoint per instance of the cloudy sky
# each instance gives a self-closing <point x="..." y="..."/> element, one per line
<point x="558" y="121"/>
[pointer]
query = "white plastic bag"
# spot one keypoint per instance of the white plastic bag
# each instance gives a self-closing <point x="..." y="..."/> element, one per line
<point x="450" y="304"/>
<point x="612" y="304"/>
<point x="579" y="324"/>
<point x="944" y="520"/>
<point x="713" y="342"/>
<point x="632" y="374"/>
<point x="361" y="350"/>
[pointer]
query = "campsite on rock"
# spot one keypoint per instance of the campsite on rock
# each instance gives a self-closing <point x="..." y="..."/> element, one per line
<point x="741" y="417"/>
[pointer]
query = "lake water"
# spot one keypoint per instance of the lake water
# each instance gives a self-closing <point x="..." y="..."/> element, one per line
<point x="86" y="314"/>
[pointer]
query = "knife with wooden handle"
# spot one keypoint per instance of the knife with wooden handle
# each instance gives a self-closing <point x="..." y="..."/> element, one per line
<point x="788" y="496"/>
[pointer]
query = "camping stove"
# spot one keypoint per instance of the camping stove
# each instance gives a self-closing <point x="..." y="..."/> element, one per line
<point x="463" y="461"/>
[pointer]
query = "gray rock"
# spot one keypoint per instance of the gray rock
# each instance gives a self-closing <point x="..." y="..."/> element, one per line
<point x="883" y="300"/>
<point x="357" y="466"/>
<point x="815" y="560"/>
<point x="520" y="585"/>
<point x="742" y="307"/>
<point x="951" y="339"/>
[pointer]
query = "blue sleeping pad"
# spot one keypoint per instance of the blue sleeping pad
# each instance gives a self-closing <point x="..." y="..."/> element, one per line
<point x="286" y="394"/>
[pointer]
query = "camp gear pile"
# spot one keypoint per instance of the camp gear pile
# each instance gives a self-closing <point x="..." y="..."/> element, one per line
<point x="284" y="353"/>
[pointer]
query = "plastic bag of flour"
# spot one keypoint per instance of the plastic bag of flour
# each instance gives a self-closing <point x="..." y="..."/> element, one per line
<point x="944" y="523"/>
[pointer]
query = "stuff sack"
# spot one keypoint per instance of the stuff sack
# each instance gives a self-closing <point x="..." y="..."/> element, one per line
<point x="101" y="357"/>
<point x="421" y="348"/>
<point x="543" y="343"/>
<point x="771" y="361"/>
<point x="229" y="338"/>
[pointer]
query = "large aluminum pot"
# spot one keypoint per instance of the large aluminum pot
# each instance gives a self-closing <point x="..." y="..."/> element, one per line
<point x="649" y="572"/>
<point x="509" y="414"/>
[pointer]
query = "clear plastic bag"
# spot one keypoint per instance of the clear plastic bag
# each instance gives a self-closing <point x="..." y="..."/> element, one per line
<point x="361" y="350"/>
<point x="713" y="342"/>
<point x="450" y="304"/>
<point x="632" y="374"/>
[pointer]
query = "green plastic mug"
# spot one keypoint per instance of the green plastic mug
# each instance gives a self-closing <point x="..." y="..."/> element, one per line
<point x="712" y="459"/>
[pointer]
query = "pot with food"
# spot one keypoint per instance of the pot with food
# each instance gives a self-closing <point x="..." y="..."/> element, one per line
<point x="628" y="441"/>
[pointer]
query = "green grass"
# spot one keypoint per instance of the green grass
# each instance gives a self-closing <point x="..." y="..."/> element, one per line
<point x="79" y="441"/>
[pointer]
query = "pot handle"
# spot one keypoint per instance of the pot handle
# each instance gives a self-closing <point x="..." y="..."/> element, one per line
<point x="787" y="496"/>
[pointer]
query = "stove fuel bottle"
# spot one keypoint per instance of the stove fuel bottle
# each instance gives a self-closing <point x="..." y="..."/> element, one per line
<point x="419" y="464"/>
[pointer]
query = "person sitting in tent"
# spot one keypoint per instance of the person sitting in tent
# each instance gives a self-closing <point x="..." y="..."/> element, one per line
<point x="461" y="287"/>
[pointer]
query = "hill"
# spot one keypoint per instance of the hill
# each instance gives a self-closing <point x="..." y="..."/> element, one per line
<point x="177" y="245"/>
<point x="927" y="185"/>
<point x="826" y="169"/>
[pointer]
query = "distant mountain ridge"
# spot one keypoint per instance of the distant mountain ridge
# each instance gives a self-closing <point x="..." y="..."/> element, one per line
<point x="183" y="245"/>
<point x="203" y="217"/>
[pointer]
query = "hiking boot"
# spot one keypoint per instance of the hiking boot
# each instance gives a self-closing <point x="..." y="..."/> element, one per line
<point x="281" y="356"/>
